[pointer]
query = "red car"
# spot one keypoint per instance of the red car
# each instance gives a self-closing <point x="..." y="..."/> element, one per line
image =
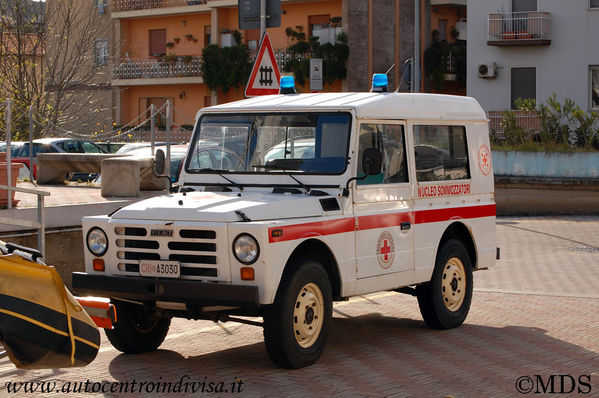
<point x="54" y="145"/>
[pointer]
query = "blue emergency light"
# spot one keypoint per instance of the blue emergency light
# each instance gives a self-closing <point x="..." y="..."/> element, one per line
<point x="287" y="85"/>
<point x="380" y="83"/>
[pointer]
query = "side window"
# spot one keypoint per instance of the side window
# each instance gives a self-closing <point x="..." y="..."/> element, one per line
<point x="88" y="147"/>
<point x="441" y="153"/>
<point x="41" y="148"/>
<point x="390" y="140"/>
<point x="70" y="146"/>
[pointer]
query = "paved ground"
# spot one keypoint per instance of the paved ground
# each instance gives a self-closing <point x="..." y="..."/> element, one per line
<point x="534" y="315"/>
<point x="71" y="194"/>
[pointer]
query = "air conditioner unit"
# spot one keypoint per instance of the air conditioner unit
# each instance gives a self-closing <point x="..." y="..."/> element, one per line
<point x="487" y="70"/>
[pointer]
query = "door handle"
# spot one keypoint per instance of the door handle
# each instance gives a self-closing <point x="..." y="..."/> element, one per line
<point x="405" y="226"/>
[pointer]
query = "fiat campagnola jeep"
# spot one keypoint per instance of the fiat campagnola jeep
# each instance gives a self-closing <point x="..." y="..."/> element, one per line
<point x="308" y="199"/>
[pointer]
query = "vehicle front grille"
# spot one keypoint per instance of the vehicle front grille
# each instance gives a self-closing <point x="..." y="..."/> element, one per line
<point x="195" y="249"/>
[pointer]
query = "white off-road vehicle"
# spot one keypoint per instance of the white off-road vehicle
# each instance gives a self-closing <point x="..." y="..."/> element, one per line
<point x="335" y="195"/>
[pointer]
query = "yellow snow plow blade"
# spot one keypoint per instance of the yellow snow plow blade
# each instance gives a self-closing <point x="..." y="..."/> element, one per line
<point x="41" y="324"/>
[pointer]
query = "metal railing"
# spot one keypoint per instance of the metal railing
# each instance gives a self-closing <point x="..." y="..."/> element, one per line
<point x="451" y="63"/>
<point x="530" y="25"/>
<point x="128" y="5"/>
<point x="528" y="121"/>
<point x="282" y="56"/>
<point x="140" y="68"/>
<point x="40" y="225"/>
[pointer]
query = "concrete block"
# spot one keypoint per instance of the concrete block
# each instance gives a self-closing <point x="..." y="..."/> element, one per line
<point x="127" y="175"/>
<point x="53" y="167"/>
<point x="120" y="177"/>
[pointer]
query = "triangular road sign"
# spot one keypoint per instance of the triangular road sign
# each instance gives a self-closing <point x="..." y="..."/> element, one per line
<point x="265" y="75"/>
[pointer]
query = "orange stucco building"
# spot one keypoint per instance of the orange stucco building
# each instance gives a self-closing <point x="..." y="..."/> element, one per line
<point x="161" y="42"/>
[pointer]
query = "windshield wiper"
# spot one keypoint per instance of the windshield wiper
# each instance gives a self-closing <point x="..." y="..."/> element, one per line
<point x="219" y="172"/>
<point x="287" y="173"/>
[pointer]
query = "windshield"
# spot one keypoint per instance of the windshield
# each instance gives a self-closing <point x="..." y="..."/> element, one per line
<point x="314" y="143"/>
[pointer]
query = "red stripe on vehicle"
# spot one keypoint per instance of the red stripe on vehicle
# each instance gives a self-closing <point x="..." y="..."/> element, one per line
<point x="322" y="228"/>
<point x="299" y="231"/>
<point x="455" y="213"/>
<point x="384" y="220"/>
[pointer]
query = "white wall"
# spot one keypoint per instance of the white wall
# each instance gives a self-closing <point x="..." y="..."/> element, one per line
<point x="562" y="66"/>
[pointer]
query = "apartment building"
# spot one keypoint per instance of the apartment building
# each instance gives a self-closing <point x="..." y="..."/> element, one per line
<point x="160" y="43"/>
<point x="532" y="49"/>
<point x="79" y="43"/>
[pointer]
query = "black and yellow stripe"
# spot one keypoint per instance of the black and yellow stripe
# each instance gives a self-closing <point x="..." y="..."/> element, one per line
<point x="32" y="331"/>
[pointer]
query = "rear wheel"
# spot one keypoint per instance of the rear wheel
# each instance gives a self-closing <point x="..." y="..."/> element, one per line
<point x="296" y="325"/>
<point x="445" y="301"/>
<point x="136" y="330"/>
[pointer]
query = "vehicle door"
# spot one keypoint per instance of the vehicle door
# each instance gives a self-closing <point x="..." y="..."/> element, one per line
<point x="382" y="203"/>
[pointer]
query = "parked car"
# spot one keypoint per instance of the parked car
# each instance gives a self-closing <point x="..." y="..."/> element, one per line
<point x="110" y="147"/>
<point x="54" y="145"/>
<point x="178" y="153"/>
<point x="14" y="147"/>
<point x="136" y="145"/>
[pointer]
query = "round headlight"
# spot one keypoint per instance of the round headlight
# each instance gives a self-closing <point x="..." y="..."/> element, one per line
<point x="97" y="241"/>
<point x="246" y="248"/>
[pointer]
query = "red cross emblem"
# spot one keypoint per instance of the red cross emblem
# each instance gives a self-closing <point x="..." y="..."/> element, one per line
<point x="484" y="160"/>
<point x="385" y="250"/>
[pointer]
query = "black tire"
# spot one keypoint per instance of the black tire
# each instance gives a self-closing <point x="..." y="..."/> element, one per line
<point x="298" y="292"/>
<point x="445" y="301"/>
<point x="135" y="330"/>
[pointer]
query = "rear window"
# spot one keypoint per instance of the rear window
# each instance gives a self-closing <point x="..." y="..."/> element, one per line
<point x="441" y="153"/>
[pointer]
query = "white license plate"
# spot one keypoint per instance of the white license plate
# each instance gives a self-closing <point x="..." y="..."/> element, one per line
<point x="160" y="268"/>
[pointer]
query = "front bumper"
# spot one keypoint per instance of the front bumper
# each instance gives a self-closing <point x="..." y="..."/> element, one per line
<point x="176" y="290"/>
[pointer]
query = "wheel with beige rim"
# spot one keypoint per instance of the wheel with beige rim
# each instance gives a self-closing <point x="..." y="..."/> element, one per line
<point x="296" y="325"/>
<point x="445" y="301"/>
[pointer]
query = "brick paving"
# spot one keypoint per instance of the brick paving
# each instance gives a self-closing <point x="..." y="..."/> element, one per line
<point x="71" y="194"/>
<point x="533" y="314"/>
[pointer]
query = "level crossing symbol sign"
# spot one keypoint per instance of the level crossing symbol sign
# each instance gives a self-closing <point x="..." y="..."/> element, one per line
<point x="265" y="76"/>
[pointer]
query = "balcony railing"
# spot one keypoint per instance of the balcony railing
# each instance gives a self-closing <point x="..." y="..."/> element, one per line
<point x="282" y="56"/>
<point x="519" y="28"/>
<point x="529" y="122"/>
<point x="144" y="68"/>
<point x="128" y="5"/>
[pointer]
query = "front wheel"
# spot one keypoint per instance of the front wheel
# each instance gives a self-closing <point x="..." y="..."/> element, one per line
<point x="296" y="325"/>
<point x="445" y="301"/>
<point x="136" y="330"/>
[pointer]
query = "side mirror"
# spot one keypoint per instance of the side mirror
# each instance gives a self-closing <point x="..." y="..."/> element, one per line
<point x="159" y="162"/>
<point x="372" y="161"/>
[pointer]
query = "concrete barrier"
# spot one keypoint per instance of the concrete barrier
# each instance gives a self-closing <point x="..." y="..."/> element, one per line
<point x="53" y="167"/>
<point x="127" y="175"/>
<point x="546" y="164"/>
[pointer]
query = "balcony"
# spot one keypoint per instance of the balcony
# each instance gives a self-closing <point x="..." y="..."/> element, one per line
<point x="165" y="70"/>
<point x="128" y="5"/>
<point x="532" y="28"/>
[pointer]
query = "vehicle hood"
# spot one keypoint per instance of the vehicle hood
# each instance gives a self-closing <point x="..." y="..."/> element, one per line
<point x="222" y="207"/>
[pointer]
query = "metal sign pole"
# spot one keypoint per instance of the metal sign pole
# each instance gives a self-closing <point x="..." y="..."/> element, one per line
<point x="152" y="126"/>
<point x="8" y="154"/>
<point x="31" y="143"/>
<point x="416" y="75"/>
<point x="168" y="138"/>
<point x="262" y="17"/>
